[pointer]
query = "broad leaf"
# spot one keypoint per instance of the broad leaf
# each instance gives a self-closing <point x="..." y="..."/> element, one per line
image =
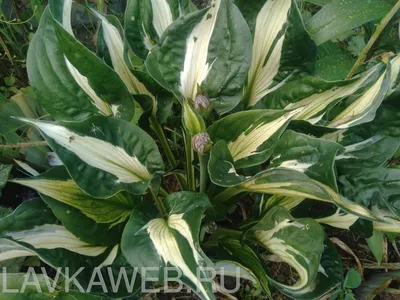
<point x="311" y="156"/>
<point x="234" y="250"/>
<point x="62" y="89"/>
<point x="206" y="49"/>
<point x="119" y="155"/>
<point x="115" y="46"/>
<point x="340" y="16"/>
<point x="333" y="62"/>
<point x="299" y="243"/>
<point x="152" y="241"/>
<point x="32" y="231"/>
<point x="57" y="184"/>
<point x="288" y="182"/>
<point x="371" y="153"/>
<point x="92" y="220"/>
<point x="364" y="107"/>
<point x="252" y="135"/>
<point x="146" y="21"/>
<point x="375" y="284"/>
<point x="318" y="96"/>
<point x="96" y="78"/>
<point x="374" y="186"/>
<point x="281" y="47"/>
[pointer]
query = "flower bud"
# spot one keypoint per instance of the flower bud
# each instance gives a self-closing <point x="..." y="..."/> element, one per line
<point x="191" y="120"/>
<point x="201" y="142"/>
<point x="203" y="104"/>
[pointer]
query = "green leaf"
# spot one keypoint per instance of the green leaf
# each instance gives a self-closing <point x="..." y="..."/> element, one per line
<point x="364" y="94"/>
<point x="56" y="88"/>
<point x="26" y="216"/>
<point x="339" y="16"/>
<point x="375" y="244"/>
<point x="273" y="59"/>
<point x="4" y="173"/>
<point x="116" y="49"/>
<point x="312" y="156"/>
<point x="108" y="91"/>
<point x="252" y="135"/>
<point x="352" y="280"/>
<point x="152" y="241"/>
<point x="371" y="153"/>
<point x="120" y="155"/>
<point x="208" y="48"/>
<point x="57" y="184"/>
<point x="356" y="45"/>
<point x="372" y="186"/>
<point x="375" y="284"/>
<point x="233" y="249"/>
<point x="92" y="220"/>
<point x="299" y="243"/>
<point x="363" y="108"/>
<point x="333" y="62"/>
<point x="32" y="231"/>
<point x="288" y="182"/>
<point x="145" y="22"/>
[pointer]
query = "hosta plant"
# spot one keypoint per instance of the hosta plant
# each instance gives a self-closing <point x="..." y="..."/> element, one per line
<point x="193" y="140"/>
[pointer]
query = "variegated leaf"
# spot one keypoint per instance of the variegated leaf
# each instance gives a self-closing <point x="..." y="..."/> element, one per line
<point x="315" y="157"/>
<point x="96" y="78"/>
<point x="279" y="33"/>
<point x="116" y="50"/>
<point x="252" y="135"/>
<point x="32" y="230"/>
<point x="373" y="152"/>
<point x="318" y="96"/>
<point x="233" y="249"/>
<point x="206" y="49"/>
<point x="389" y="222"/>
<point x="292" y="183"/>
<point x="299" y="243"/>
<point x="170" y="241"/>
<point x="364" y="107"/>
<point x="57" y="184"/>
<point x="116" y="154"/>
<point x="78" y="86"/>
<point x="146" y="21"/>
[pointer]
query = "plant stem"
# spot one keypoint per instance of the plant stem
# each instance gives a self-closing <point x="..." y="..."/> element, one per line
<point x="226" y="194"/>
<point x="203" y="160"/>
<point x="158" y="202"/>
<point x="163" y="192"/>
<point x="24" y="145"/>
<point x="164" y="144"/>
<point x="385" y="21"/>
<point x="189" y="165"/>
<point x="163" y="140"/>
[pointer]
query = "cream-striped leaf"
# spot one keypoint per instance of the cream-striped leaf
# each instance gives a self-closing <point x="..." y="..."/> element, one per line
<point x="118" y="154"/>
<point x="57" y="185"/>
<point x="364" y="108"/>
<point x="170" y="241"/>
<point x="279" y="33"/>
<point x="292" y="183"/>
<point x="299" y="243"/>
<point x="252" y="135"/>
<point x="115" y="46"/>
<point x="206" y="49"/>
<point x="146" y="21"/>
